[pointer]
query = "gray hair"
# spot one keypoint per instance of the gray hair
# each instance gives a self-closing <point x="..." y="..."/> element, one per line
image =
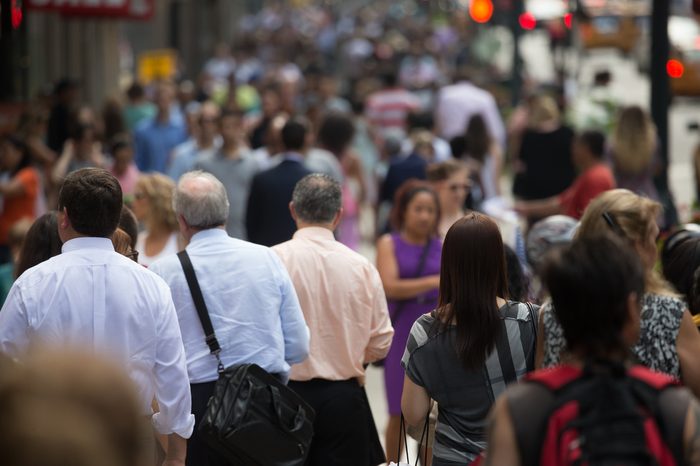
<point x="317" y="198"/>
<point x="201" y="199"/>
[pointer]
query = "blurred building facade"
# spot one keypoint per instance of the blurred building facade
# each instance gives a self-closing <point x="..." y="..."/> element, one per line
<point x="101" y="50"/>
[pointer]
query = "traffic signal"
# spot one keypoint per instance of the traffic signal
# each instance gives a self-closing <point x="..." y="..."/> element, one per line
<point x="481" y="11"/>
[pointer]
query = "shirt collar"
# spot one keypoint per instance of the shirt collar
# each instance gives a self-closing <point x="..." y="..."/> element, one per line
<point x="314" y="233"/>
<point x="293" y="156"/>
<point x="209" y="234"/>
<point x="87" y="242"/>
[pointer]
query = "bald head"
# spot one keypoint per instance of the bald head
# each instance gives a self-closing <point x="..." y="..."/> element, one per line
<point x="201" y="201"/>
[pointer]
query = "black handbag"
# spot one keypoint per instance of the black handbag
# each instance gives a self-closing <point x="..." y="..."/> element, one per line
<point x="252" y="418"/>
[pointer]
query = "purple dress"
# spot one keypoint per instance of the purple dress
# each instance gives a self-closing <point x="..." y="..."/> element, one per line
<point x="407" y="257"/>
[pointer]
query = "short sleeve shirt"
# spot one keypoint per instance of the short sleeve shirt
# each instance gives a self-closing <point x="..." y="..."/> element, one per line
<point x="587" y="187"/>
<point x="465" y="397"/>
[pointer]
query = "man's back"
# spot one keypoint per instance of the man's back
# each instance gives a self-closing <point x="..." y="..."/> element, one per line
<point x="92" y="297"/>
<point x="457" y="103"/>
<point x="251" y="303"/>
<point x="268" y="221"/>
<point x="343" y="302"/>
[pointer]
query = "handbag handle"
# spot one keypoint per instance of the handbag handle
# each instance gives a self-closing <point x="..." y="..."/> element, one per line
<point x="298" y="420"/>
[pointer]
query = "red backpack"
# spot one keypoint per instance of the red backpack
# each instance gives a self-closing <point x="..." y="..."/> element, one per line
<point x="603" y="415"/>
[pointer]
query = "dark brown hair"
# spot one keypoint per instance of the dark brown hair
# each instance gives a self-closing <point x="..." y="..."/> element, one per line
<point x="404" y="195"/>
<point x="441" y="171"/>
<point x="41" y="243"/>
<point x="477" y="139"/>
<point x="472" y="275"/>
<point x="92" y="198"/>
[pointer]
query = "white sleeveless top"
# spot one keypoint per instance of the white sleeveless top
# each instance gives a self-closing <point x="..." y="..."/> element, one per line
<point x="171" y="247"/>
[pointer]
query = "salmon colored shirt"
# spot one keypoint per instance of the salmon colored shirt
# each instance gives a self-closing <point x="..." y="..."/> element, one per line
<point x="22" y="206"/>
<point x="344" y="305"/>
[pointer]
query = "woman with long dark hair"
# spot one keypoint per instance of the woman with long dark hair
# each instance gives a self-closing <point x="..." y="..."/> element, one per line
<point x="476" y="341"/>
<point x="41" y="243"/>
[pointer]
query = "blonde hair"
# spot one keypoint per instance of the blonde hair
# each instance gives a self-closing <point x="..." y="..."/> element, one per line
<point x="633" y="140"/>
<point x="441" y="171"/>
<point x="631" y="216"/>
<point x="159" y="189"/>
<point x="543" y="109"/>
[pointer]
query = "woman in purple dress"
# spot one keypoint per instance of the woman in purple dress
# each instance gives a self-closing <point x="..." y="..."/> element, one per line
<point x="408" y="261"/>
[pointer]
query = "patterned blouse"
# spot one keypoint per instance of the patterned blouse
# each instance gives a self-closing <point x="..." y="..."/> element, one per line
<point x="656" y="349"/>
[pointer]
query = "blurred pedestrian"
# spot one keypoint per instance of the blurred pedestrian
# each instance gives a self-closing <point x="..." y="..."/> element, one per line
<point x="408" y="260"/>
<point x="202" y="146"/>
<point x="15" y="240"/>
<point x="268" y="221"/>
<point x="123" y="166"/>
<point x="66" y="97"/>
<point x="451" y="182"/>
<point x="138" y="107"/>
<point x="40" y="244"/>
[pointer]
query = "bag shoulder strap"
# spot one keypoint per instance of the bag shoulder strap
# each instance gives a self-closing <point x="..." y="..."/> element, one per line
<point x="200" y="305"/>
<point x="419" y="270"/>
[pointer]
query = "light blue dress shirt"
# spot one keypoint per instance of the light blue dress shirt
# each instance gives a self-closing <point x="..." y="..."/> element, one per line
<point x="154" y="142"/>
<point x="94" y="298"/>
<point x="251" y="301"/>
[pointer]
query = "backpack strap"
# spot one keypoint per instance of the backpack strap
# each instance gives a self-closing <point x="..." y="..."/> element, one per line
<point x="667" y="403"/>
<point x="530" y="404"/>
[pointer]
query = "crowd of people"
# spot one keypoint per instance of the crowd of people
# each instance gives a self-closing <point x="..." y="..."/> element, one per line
<point x="273" y="175"/>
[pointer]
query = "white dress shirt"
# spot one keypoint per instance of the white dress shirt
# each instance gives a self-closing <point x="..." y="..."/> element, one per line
<point x="251" y="302"/>
<point x="94" y="298"/>
<point x="456" y="104"/>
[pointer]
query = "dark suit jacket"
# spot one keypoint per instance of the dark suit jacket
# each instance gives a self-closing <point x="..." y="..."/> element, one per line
<point x="413" y="166"/>
<point x="268" y="220"/>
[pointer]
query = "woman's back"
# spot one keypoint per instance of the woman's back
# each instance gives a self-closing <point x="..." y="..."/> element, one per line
<point x="465" y="397"/>
<point x="656" y="349"/>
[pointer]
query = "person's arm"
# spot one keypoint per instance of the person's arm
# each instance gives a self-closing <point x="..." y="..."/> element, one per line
<point x="502" y="447"/>
<point x="294" y="328"/>
<point x="176" y="452"/>
<point x="61" y="168"/>
<point x="540" y="208"/>
<point x="13" y="187"/>
<point x="415" y="402"/>
<point x="14" y="325"/>
<point x="497" y="154"/>
<point x="381" y="332"/>
<point x="691" y="434"/>
<point x="172" y="388"/>
<point x="388" y="267"/>
<point x="688" y="348"/>
<point x="539" y="348"/>
<point x="252" y="216"/>
<point x="41" y="153"/>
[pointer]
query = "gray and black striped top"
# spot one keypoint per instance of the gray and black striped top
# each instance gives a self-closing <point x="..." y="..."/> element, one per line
<point x="465" y="397"/>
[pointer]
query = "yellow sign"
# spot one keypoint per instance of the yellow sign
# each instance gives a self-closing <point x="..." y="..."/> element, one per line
<point x="156" y="65"/>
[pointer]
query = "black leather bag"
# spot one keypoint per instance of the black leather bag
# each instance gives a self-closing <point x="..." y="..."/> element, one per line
<point x="252" y="418"/>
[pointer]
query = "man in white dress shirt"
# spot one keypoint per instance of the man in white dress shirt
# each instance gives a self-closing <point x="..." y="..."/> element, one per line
<point x="91" y="298"/>
<point x="249" y="296"/>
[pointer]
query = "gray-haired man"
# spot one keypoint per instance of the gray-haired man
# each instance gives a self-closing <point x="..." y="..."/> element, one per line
<point x="345" y="308"/>
<point x="249" y="296"/>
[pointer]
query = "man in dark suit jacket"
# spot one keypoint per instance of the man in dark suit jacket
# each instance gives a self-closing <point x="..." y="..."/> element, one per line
<point x="268" y="220"/>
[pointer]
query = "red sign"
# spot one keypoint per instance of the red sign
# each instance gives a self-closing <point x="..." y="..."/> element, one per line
<point x="133" y="9"/>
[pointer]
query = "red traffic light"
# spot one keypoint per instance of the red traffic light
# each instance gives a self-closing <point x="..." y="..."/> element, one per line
<point x="16" y="15"/>
<point x="568" y="20"/>
<point x="675" y="68"/>
<point x="481" y="11"/>
<point x="527" y="21"/>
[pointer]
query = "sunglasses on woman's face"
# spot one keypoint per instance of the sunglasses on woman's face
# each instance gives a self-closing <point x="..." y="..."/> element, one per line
<point x="457" y="187"/>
